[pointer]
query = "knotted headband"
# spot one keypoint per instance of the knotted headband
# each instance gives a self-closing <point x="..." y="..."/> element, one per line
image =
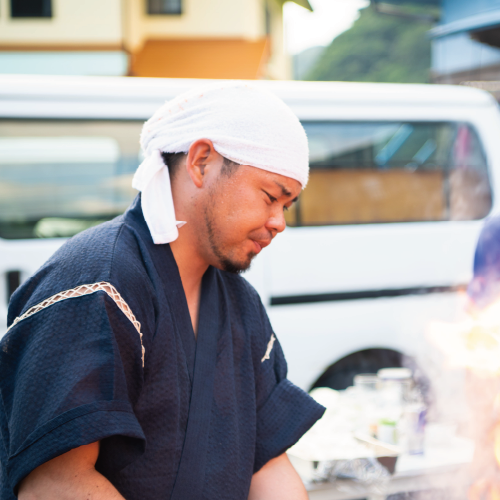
<point x="246" y="125"/>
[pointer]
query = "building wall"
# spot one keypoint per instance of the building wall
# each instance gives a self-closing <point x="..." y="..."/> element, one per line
<point x="453" y="10"/>
<point x="81" y="38"/>
<point x="216" y="39"/>
<point x="279" y="64"/>
<point x="67" y="62"/>
<point x="457" y="57"/>
<point x="210" y="39"/>
<point x="200" y="58"/>
<point x="458" y="52"/>
<point x="68" y="27"/>
<point x="200" y="19"/>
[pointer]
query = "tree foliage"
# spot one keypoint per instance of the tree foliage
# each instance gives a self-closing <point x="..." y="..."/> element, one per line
<point x="377" y="48"/>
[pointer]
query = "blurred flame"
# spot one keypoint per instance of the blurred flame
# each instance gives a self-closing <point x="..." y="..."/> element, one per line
<point x="497" y="443"/>
<point x="488" y="488"/>
<point x="472" y="343"/>
<point x="484" y="490"/>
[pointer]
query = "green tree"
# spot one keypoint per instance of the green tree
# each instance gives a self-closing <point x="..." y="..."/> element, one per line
<point x="377" y="48"/>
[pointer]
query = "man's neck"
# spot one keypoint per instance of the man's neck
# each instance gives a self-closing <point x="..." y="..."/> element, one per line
<point x="191" y="269"/>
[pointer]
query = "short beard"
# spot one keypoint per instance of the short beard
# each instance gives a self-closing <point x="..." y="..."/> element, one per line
<point x="225" y="262"/>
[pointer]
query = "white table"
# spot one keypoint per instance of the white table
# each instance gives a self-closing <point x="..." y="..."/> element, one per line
<point x="440" y="467"/>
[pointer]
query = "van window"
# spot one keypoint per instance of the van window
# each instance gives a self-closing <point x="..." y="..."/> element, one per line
<point x="372" y="172"/>
<point x="60" y="177"/>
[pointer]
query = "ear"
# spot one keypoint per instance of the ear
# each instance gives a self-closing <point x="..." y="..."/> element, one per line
<point x="201" y="159"/>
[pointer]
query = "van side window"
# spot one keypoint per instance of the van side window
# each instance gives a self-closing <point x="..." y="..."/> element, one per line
<point x="374" y="172"/>
<point x="58" y="178"/>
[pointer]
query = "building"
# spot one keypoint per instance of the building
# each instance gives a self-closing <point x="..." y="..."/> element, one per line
<point x="153" y="38"/>
<point x="466" y="43"/>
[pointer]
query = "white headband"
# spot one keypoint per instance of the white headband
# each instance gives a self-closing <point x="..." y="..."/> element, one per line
<point x="246" y="125"/>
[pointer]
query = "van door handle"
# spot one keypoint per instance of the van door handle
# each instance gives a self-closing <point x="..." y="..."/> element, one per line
<point x="13" y="282"/>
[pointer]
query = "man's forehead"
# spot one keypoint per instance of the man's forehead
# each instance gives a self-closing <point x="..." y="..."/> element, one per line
<point x="289" y="187"/>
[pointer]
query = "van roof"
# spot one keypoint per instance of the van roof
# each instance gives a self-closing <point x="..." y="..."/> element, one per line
<point x="62" y="88"/>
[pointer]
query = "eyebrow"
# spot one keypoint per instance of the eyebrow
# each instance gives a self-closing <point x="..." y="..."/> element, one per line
<point x="284" y="190"/>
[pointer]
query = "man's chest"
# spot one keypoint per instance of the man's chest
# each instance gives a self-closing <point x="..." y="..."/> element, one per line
<point x="165" y="411"/>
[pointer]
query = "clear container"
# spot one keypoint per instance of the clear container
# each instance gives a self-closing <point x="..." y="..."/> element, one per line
<point x="394" y="388"/>
<point x="366" y="382"/>
<point x="411" y="429"/>
<point x="395" y="383"/>
<point x="366" y="386"/>
<point x="396" y="374"/>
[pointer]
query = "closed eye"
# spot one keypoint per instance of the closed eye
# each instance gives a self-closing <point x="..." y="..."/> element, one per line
<point x="272" y="199"/>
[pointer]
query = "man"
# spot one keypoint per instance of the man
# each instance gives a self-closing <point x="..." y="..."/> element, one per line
<point x="137" y="363"/>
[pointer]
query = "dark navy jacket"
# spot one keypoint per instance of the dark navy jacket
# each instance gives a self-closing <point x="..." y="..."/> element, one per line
<point x="101" y="348"/>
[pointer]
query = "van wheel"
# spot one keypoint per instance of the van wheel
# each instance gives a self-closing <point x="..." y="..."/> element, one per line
<point x="341" y="374"/>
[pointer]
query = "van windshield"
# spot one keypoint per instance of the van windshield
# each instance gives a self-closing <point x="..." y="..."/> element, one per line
<point x="59" y="177"/>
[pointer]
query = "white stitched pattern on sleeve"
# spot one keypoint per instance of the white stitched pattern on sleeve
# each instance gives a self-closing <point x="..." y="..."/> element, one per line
<point x="269" y="348"/>
<point x="86" y="290"/>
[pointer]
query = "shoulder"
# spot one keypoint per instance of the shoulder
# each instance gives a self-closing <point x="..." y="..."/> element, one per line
<point x="89" y="258"/>
<point x="247" y="310"/>
<point x="241" y="293"/>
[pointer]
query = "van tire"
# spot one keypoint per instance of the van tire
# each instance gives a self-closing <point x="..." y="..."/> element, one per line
<point x="341" y="374"/>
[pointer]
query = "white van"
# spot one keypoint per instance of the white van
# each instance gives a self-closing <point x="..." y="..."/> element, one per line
<point x="380" y="243"/>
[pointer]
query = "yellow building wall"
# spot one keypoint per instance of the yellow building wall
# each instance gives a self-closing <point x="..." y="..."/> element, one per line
<point x="200" y="19"/>
<point x="74" y="22"/>
<point x="210" y="39"/>
<point x="279" y="64"/>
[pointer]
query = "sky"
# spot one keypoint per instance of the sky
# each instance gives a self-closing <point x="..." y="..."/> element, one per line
<point x="304" y="29"/>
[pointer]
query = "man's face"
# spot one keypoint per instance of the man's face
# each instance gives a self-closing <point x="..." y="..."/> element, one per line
<point x="243" y="212"/>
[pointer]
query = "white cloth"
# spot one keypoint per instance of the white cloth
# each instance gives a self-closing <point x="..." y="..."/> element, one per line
<point x="246" y="125"/>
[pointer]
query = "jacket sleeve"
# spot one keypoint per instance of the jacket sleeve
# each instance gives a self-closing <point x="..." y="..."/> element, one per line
<point x="70" y="375"/>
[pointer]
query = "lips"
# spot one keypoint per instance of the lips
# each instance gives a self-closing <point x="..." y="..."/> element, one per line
<point x="260" y="244"/>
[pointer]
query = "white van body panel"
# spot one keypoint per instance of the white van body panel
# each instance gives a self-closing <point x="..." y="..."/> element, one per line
<point x="308" y="260"/>
<point x="310" y="333"/>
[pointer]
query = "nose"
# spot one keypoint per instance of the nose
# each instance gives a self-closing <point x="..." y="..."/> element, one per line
<point x="276" y="222"/>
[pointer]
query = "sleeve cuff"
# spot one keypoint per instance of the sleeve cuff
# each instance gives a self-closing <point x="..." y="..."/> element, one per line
<point x="288" y="413"/>
<point x="77" y="427"/>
